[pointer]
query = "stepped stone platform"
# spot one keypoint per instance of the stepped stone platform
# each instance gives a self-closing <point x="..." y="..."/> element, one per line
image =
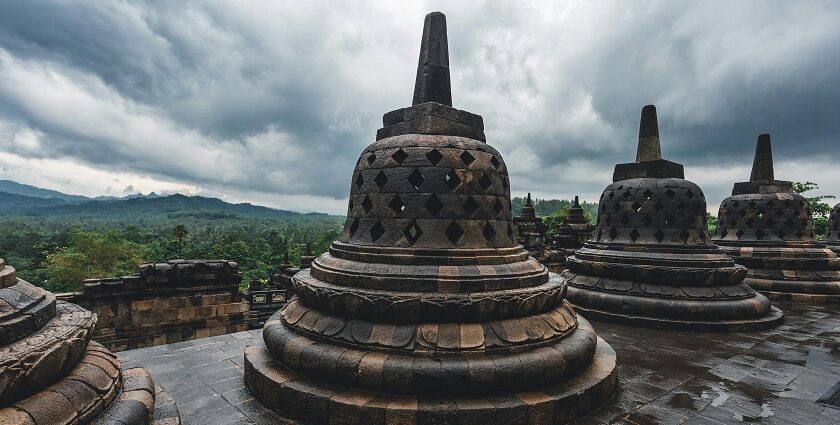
<point x="665" y="377"/>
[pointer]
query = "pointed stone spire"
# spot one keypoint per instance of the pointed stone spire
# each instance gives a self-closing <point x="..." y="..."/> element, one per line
<point x="649" y="148"/>
<point x="528" y="209"/>
<point x="577" y="203"/>
<point x="763" y="163"/>
<point x="432" y="84"/>
<point x="308" y="249"/>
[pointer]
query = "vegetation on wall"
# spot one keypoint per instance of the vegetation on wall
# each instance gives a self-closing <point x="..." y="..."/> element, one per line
<point x="820" y="209"/>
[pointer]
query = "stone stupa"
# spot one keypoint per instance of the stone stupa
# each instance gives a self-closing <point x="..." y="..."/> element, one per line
<point x="426" y="311"/>
<point x="52" y="373"/>
<point x="530" y="229"/>
<point x="651" y="261"/>
<point x="768" y="228"/>
<point x="832" y="232"/>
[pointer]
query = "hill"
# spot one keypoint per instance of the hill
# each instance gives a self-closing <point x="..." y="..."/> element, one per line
<point x="15" y="188"/>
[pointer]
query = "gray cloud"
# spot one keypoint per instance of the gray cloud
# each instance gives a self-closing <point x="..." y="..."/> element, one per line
<point x="272" y="101"/>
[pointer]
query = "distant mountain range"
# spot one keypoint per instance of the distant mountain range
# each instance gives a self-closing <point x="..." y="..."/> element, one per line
<point x="23" y="199"/>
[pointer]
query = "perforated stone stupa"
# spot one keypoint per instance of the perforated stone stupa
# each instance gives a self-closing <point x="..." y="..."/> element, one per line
<point x="832" y="232"/>
<point x="651" y="261"/>
<point x="51" y="373"/>
<point x="530" y="229"/>
<point x="768" y="228"/>
<point x="425" y="310"/>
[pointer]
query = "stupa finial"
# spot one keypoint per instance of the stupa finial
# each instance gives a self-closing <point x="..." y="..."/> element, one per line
<point x="577" y="203"/>
<point x="432" y="84"/>
<point x="528" y="202"/>
<point x="763" y="162"/>
<point x="649" y="148"/>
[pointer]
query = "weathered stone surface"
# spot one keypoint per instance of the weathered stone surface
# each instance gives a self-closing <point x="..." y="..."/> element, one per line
<point x="768" y="228"/>
<point x="427" y="308"/>
<point x="432" y="83"/>
<point x="530" y="230"/>
<point x="651" y="262"/>
<point x="832" y="232"/>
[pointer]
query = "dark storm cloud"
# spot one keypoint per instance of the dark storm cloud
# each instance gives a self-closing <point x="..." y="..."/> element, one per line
<point x="272" y="101"/>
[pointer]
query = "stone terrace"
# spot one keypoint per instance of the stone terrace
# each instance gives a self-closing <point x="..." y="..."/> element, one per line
<point x="772" y="377"/>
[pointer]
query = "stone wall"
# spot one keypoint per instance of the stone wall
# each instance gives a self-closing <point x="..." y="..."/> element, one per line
<point x="164" y="303"/>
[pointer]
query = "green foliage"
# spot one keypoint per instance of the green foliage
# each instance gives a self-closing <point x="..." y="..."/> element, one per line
<point x="711" y="221"/>
<point x="89" y="255"/>
<point x="820" y="210"/>
<point x="547" y="207"/>
<point x="553" y="221"/>
<point x="65" y="251"/>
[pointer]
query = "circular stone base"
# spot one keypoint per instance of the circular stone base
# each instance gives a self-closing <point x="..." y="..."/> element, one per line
<point x="797" y="291"/>
<point x="771" y="320"/>
<point x="318" y="403"/>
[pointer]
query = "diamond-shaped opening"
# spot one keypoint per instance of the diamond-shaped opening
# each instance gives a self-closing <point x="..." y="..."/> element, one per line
<point x="399" y="156"/>
<point x="495" y="162"/>
<point x="752" y="204"/>
<point x="467" y="158"/>
<point x="454" y="232"/>
<point x="739" y="233"/>
<point x="682" y="206"/>
<point x="452" y="180"/>
<point x="434" y="156"/>
<point x="627" y="194"/>
<point x="658" y="206"/>
<point x="485" y="182"/>
<point x="416" y="179"/>
<point x="634" y="234"/>
<point x="354" y="225"/>
<point x="367" y="204"/>
<point x="433" y="205"/>
<point x="371" y="158"/>
<point x="769" y="203"/>
<point x="749" y="222"/>
<point x="759" y="234"/>
<point x="689" y="193"/>
<point x="613" y="233"/>
<point x="659" y="235"/>
<point x="684" y="235"/>
<point x="412" y="232"/>
<point x="376" y="231"/>
<point x="396" y="205"/>
<point x="360" y="180"/>
<point x="742" y="213"/>
<point x="670" y="193"/>
<point x="723" y="233"/>
<point x="470" y="205"/>
<point x="381" y="179"/>
<point x="498" y="206"/>
<point x="647" y="220"/>
<point x="647" y="193"/>
<point x="625" y="220"/>
<point x="611" y="195"/>
<point x="489" y="232"/>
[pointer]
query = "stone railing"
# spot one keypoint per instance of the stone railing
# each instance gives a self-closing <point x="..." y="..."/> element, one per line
<point x="165" y="302"/>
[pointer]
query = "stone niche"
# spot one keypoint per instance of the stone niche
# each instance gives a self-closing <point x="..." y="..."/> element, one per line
<point x="165" y="302"/>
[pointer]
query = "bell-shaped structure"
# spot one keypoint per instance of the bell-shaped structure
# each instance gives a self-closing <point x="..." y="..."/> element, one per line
<point x="530" y="229"/>
<point x="426" y="310"/>
<point x="768" y="228"/>
<point x="832" y="232"/>
<point x="52" y="373"/>
<point x="651" y="261"/>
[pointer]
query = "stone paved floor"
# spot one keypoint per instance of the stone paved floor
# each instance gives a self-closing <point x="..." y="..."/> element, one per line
<point x="771" y="377"/>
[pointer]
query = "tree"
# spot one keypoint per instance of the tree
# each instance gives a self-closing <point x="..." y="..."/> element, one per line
<point x="559" y="217"/>
<point x="819" y="210"/>
<point x="180" y="232"/>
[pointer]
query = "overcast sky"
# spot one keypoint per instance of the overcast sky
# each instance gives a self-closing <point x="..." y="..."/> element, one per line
<point x="271" y="102"/>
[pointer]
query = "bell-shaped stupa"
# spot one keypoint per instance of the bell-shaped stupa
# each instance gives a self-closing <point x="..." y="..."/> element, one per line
<point x="426" y="311"/>
<point x="52" y="373"/>
<point x="832" y="232"/>
<point x="651" y="261"/>
<point x="768" y="228"/>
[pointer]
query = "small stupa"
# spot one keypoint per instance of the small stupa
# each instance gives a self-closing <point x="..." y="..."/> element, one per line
<point x="530" y="229"/>
<point x="832" y="232"/>
<point x="768" y="228"/>
<point x="426" y="310"/>
<point x="651" y="261"/>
